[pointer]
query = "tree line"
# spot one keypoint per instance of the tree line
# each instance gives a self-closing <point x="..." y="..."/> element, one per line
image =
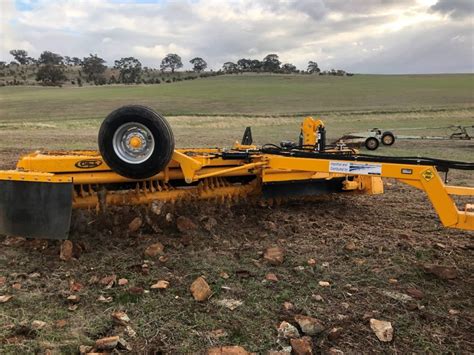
<point x="50" y="68"/>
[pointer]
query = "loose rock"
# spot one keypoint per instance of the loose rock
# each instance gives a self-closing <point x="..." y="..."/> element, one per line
<point x="65" y="251"/>
<point x="274" y="255"/>
<point x="61" y="323"/>
<point x="415" y="293"/>
<point x="309" y="325"/>
<point x="135" y="225"/>
<point x="74" y="299"/>
<point x="398" y="296"/>
<point x="350" y="246"/>
<point x="154" y="250"/>
<point x="13" y="241"/>
<point x="120" y="317"/>
<point x="104" y="299"/>
<point x="160" y="285"/>
<point x="84" y="349"/>
<point x="156" y="207"/>
<point x="135" y="290"/>
<point x="75" y="286"/>
<point x="123" y="345"/>
<point x="228" y="350"/>
<point x="302" y="346"/>
<point x="382" y="329"/>
<point x="130" y="332"/>
<point x="318" y="298"/>
<point x="229" y="303"/>
<point x="324" y="283"/>
<point x="122" y="282"/>
<point x="335" y="333"/>
<point x="108" y="281"/>
<point x="288" y="306"/>
<point x="287" y="331"/>
<point x="185" y="225"/>
<point x="200" y="289"/>
<point x="443" y="272"/>
<point x="210" y="223"/>
<point x="108" y="343"/>
<point x="271" y="277"/>
<point x="38" y="324"/>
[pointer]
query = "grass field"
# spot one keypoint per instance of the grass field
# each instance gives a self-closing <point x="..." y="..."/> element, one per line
<point x="34" y="117"/>
<point x="394" y="235"/>
<point x="245" y="94"/>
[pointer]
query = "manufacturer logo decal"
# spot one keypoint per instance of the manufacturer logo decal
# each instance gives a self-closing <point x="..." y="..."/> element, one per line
<point x="88" y="164"/>
<point x="427" y="175"/>
<point x="355" y="168"/>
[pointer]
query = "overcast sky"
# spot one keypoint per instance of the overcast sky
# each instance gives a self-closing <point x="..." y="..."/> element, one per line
<point x="362" y="36"/>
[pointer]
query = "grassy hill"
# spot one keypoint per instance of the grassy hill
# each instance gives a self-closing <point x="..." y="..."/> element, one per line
<point x="69" y="117"/>
<point x="245" y="94"/>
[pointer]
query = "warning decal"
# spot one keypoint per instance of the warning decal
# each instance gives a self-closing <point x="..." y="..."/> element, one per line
<point x="355" y="168"/>
<point x="428" y="175"/>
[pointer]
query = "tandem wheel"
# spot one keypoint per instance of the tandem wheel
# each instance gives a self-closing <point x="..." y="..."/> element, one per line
<point x="371" y="143"/>
<point x="388" y="138"/>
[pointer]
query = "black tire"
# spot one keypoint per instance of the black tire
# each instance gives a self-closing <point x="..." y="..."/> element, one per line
<point x="388" y="138"/>
<point x="155" y="123"/>
<point x="371" y="143"/>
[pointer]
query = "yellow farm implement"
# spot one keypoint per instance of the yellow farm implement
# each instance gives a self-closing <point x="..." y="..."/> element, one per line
<point x="138" y="164"/>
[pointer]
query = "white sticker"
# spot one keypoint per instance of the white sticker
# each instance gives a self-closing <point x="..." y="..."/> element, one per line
<point x="355" y="168"/>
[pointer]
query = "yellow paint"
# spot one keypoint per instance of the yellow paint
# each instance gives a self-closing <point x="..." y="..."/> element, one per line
<point x="207" y="171"/>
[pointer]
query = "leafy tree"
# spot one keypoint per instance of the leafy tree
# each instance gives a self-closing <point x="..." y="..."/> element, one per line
<point x="130" y="70"/>
<point x="93" y="67"/>
<point x="230" y="67"/>
<point x="244" y="64"/>
<point x="199" y="64"/>
<point x="271" y="63"/>
<point x="50" y="75"/>
<point x="171" y="61"/>
<point x="288" y="68"/>
<point x="48" y="57"/>
<point x="68" y="60"/>
<point x="313" y="67"/>
<point x="76" y="61"/>
<point x="51" y="71"/>
<point x="31" y="61"/>
<point x="255" y="65"/>
<point x="20" y="55"/>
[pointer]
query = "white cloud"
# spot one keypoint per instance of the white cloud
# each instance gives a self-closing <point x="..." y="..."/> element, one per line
<point x="354" y="35"/>
<point x="159" y="51"/>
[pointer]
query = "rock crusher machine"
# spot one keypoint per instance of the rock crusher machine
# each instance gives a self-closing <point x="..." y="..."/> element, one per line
<point x="138" y="164"/>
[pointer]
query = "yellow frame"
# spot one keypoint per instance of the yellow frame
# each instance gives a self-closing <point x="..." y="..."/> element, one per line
<point x="204" y="166"/>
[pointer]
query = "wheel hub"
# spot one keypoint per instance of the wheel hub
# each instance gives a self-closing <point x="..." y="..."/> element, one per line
<point x="133" y="143"/>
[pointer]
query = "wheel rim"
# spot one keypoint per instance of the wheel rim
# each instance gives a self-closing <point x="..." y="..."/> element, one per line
<point x="387" y="139"/>
<point x="133" y="143"/>
<point x="371" y="143"/>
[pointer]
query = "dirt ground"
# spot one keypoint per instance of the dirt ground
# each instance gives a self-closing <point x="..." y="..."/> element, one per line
<point x="373" y="251"/>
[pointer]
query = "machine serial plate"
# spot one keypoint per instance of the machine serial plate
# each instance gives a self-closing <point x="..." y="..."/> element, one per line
<point x="355" y="168"/>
